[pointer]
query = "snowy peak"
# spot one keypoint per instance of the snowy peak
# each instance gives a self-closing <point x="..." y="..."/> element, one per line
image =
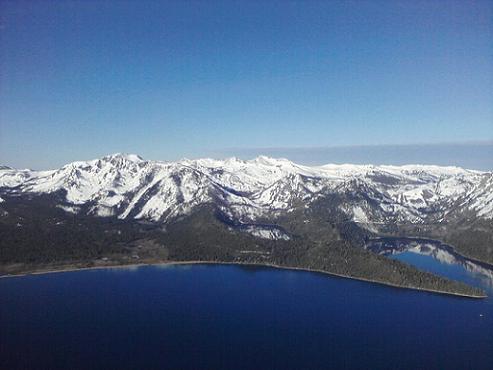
<point x="122" y="157"/>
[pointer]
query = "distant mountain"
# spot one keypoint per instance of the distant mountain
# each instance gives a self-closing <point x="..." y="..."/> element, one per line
<point x="128" y="187"/>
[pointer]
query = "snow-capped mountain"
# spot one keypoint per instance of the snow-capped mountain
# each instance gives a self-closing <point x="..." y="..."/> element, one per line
<point x="128" y="187"/>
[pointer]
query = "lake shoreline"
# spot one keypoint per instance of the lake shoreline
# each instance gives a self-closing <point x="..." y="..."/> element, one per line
<point x="74" y="268"/>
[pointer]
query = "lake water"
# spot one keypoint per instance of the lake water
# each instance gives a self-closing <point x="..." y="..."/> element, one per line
<point x="235" y="317"/>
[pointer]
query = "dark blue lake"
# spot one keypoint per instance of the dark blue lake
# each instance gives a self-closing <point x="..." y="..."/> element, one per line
<point x="234" y="317"/>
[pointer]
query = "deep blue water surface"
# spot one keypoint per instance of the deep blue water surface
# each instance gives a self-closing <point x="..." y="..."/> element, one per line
<point x="233" y="317"/>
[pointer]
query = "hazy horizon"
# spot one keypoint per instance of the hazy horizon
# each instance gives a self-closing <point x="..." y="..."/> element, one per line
<point x="469" y="155"/>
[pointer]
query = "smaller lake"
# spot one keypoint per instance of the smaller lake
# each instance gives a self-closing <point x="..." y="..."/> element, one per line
<point x="436" y="257"/>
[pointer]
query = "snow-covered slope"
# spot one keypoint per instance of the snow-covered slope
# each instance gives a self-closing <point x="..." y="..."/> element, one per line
<point x="128" y="187"/>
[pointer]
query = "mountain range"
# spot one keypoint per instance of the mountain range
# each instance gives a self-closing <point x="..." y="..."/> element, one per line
<point x="126" y="186"/>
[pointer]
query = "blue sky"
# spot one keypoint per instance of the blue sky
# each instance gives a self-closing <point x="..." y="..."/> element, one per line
<point x="187" y="79"/>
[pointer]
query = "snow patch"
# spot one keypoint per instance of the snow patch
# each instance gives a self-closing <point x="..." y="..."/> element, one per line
<point x="69" y="209"/>
<point x="267" y="233"/>
<point x="359" y="215"/>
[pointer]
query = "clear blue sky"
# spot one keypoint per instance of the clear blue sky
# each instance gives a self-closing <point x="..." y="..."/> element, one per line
<point x="172" y="79"/>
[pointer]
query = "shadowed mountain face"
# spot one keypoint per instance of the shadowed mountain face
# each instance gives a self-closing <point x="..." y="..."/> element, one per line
<point x="263" y="210"/>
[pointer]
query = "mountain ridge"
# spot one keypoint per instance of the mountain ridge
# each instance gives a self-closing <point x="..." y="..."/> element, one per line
<point x="125" y="185"/>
